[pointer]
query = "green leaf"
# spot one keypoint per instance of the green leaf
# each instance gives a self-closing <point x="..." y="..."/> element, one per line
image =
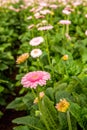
<point x="17" y="104"/>
<point x="59" y="86"/>
<point x="22" y="103"/>
<point x="28" y="100"/>
<point x="3" y="66"/>
<point x="2" y="101"/>
<point x="50" y="93"/>
<point x="4" y="46"/>
<point x="21" y="128"/>
<point x="49" y="114"/>
<point x="84" y="56"/>
<point x="62" y="94"/>
<point x="1" y="89"/>
<point x="30" y="121"/>
<point x="1" y="114"/>
<point x="75" y="111"/>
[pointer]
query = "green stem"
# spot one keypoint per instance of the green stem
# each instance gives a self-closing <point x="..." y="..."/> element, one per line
<point x="63" y="30"/>
<point x="67" y="29"/>
<point x="65" y="68"/>
<point x="40" y="64"/>
<point x="47" y="48"/>
<point x="26" y="65"/>
<point x="40" y="109"/>
<point x="33" y="93"/>
<point x="67" y="26"/>
<point x="49" y="60"/>
<point x="43" y="116"/>
<point x="69" y="120"/>
<point x="52" y="120"/>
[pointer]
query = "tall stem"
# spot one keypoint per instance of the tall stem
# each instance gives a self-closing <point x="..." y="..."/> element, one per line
<point x="49" y="60"/>
<point x="34" y="94"/>
<point x="67" y="29"/>
<point x="63" y="30"/>
<point x="43" y="116"/>
<point x="69" y="120"/>
<point x="26" y="65"/>
<point x="67" y="26"/>
<point x="40" y="109"/>
<point x="40" y="64"/>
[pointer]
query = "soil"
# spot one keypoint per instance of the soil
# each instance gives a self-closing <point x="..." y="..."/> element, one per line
<point x="9" y="115"/>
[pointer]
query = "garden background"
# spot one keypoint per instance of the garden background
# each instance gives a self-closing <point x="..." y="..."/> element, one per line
<point x="43" y="65"/>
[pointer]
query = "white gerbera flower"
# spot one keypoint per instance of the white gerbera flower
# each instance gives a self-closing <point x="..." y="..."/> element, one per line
<point x="36" y="53"/>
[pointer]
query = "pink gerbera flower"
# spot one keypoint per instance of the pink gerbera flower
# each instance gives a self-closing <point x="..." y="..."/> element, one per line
<point x="35" y="78"/>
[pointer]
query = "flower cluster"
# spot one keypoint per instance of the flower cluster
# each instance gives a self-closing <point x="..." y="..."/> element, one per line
<point x="35" y="42"/>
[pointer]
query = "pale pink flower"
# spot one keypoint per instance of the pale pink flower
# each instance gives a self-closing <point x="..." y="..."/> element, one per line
<point x="31" y="26"/>
<point x="36" y="14"/>
<point x="68" y="7"/>
<point x="86" y="15"/>
<point x="38" y="9"/>
<point x="36" y="53"/>
<point x="43" y="4"/>
<point x="68" y="36"/>
<point x="63" y="2"/>
<point x="41" y="94"/>
<point x="36" y="41"/>
<point x="48" y="27"/>
<point x="14" y="1"/>
<point x="35" y="78"/>
<point x="66" y="12"/>
<point x="45" y="11"/>
<point x="43" y="23"/>
<point x="77" y="3"/>
<point x="86" y="32"/>
<point x="33" y="9"/>
<point x="38" y="25"/>
<point x="14" y="9"/>
<point x="65" y="22"/>
<point x="53" y="6"/>
<point x="40" y="16"/>
<point x="30" y="17"/>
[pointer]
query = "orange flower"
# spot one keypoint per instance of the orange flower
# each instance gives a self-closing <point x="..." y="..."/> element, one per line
<point x="63" y="105"/>
<point x="22" y="58"/>
<point x="65" y="57"/>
